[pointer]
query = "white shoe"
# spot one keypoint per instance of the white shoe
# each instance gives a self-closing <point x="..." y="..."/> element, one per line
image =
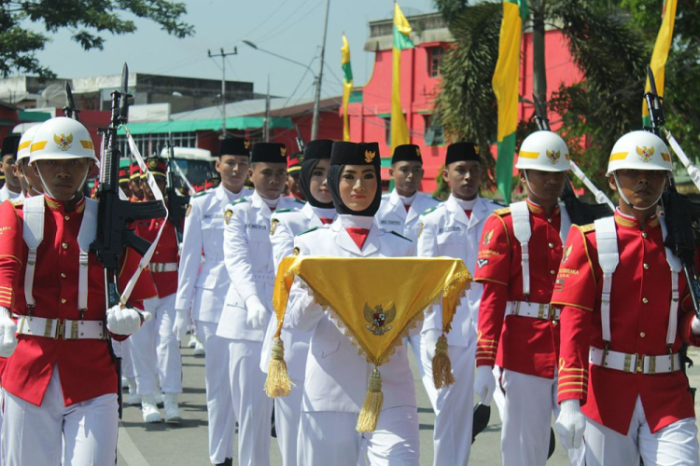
<point x="134" y="398"/>
<point x="125" y="383"/>
<point x="198" y="349"/>
<point x="149" y="409"/>
<point x="172" y="413"/>
<point x="193" y="341"/>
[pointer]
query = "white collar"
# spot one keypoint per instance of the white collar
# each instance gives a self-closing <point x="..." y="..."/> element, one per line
<point x="356" y="221"/>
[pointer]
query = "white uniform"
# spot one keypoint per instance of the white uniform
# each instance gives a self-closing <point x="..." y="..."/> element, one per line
<point x="6" y="194"/>
<point x="285" y="226"/>
<point x="202" y="286"/>
<point x="392" y="215"/>
<point x="447" y="231"/>
<point x="249" y="262"/>
<point x="336" y="375"/>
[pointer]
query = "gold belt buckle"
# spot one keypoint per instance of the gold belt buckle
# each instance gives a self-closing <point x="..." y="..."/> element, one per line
<point x="652" y="365"/>
<point x="60" y="329"/>
<point x="541" y="311"/>
<point x="74" y="329"/>
<point x="640" y="363"/>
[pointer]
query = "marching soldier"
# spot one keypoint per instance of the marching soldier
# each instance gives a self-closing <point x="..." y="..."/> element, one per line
<point x="135" y="182"/>
<point x="60" y="384"/>
<point x="517" y="328"/>
<point x="29" y="180"/>
<point x="293" y="175"/>
<point x="12" y="188"/>
<point x="285" y="225"/>
<point x="332" y="396"/>
<point x="624" y="317"/>
<point x="248" y="304"/>
<point x="203" y="284"/>
<point x="124" y="182"/>
<point x="454" y="229"/>
<point x="156" y="338"/>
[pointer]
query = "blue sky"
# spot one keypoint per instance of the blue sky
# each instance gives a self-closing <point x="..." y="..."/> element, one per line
<point x="292" y="28"/>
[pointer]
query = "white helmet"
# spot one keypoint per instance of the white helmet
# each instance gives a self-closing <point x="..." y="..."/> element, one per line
<point x="545" y="151"/>
<point x="639" y="150"/>
<point x="61" y="138"/>
<point x="25" y="143"/>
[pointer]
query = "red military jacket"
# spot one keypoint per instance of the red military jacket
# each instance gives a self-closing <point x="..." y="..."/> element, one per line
<point x="518" y="343"/>
<point x="639" y="315"/>
<point x="85" y="367"/>
<point x="167" y="252"/>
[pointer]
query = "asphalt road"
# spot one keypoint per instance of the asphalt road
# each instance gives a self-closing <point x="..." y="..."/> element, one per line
<point x="143" y="444"/>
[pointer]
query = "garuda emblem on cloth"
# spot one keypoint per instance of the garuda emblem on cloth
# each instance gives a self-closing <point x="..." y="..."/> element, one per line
<point x="645" y="152"/>
<point x="62" y="141"/>
<point x="379" y="319"/>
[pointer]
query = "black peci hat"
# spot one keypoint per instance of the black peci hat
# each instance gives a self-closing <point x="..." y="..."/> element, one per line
<point x="350" y="153"/>
<point x="318" y="149"/>
<point x="10" y="145"/>
<point x="406" y="153"/>
<point x="234" y="146"/>
<point x="462" y="152"/>
<point x="269" y="152"/>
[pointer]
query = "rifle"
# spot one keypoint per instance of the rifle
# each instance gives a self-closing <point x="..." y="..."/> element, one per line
<point x="177" y="204"/>
<point x="678" y="209"/>
<point x="581" y="213"/>
<point x="70" y="110"/>
<point x="299" y="139"/>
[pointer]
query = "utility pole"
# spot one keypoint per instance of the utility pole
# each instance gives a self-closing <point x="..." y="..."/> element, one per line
<point x="223" y="56"/>
<point x="267" y="112"/>
<point x="317" y="99"/>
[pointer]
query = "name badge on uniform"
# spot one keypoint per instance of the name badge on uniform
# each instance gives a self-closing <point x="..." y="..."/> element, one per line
<point x="391" y="222"/>
<point x="449" y="229"/>
<point x="253" y="226"/>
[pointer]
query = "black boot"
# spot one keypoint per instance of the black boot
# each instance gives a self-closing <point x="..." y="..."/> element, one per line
<point x="227" y="462"/>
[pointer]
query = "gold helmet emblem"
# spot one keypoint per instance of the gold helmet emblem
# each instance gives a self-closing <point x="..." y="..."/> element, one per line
<point x="283" y="151"/>
<point x="63" y="141"/>
<point x="645" y="153"/>
<point x="553" y="156"/>
<point x="370" y="155"/>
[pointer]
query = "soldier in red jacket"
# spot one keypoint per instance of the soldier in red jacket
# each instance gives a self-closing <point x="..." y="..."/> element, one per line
<point x="60" y="383"/>
<point x="623" y="320"/>
<point x="519" y="255"/>
<point x="155" y="349"/>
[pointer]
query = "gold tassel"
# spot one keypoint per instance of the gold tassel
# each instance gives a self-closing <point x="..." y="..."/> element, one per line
<point x="442" y="366"/>
<point x="369" y="414"/>
<point x="278" y="383"/>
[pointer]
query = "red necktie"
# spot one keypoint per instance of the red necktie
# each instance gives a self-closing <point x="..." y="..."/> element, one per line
<point x="408" y="207"/>
<point x="469" y="213"/>
<point x="358" y="235"/>
<point x="326" y="221"/>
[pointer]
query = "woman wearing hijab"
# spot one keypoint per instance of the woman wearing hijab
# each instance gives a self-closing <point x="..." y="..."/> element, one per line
<point x="336" y="375"/>
<point x="285" y="224"/>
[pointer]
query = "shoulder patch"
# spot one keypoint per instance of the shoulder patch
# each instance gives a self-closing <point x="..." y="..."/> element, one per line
<point x="587" y="228"/>
<point x="503" y="211"/>
<point x="281" y="211"/>
<point x="19" y="203"/>
<point x="308" y="231"/>
<point x="200" y="194"/>
<point x="400" y="236"/>
<point x="432" y="209"/>
<point x="299" y="201"/>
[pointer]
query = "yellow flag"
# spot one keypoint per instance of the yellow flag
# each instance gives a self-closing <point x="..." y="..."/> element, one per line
<point x="402" y="41"/>
<point x="660" y="55"/>
<point x="347" y="85"/>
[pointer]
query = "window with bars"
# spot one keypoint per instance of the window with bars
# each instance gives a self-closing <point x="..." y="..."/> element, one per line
<point x="435" y="55"/>
<point x="434" y="133"/>
<point x="149" y="144"/>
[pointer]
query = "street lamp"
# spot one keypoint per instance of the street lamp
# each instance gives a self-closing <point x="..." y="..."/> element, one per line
<point x="317" y="80"/>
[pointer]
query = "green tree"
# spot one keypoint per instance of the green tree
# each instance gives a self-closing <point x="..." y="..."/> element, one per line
<point x="86" y="19"/>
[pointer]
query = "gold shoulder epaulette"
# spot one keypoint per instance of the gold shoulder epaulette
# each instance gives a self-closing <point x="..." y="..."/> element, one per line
<point x="19" y="203"/>
<point x="587" y="228"/>
<point x="503" y="211"/>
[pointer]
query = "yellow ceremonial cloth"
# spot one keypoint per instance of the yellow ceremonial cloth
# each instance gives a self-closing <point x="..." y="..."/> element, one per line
<point x="378" y="300"/>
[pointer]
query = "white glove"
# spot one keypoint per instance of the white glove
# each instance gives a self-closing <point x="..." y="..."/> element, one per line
<point x="8" y="328"/>
<point x="571" y="424"/>
<point x="123" y="320"/>
<point x="181" y="323"/>
<point x="485" y="384"/>
<point x="695" y="326"/>
<point x="257" y="314"/>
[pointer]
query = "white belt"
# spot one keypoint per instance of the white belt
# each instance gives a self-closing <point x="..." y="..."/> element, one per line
<point x="163" y="266"/>
<point x="57" y="328"/>
<point x="633" y="363"/>
<point x="534" y="310"/>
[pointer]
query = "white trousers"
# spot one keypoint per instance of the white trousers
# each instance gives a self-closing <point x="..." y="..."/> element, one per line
<point x="454" y="405"/>
<point x="530" y="403"/>
<point x="222" y="422"/>
<point x="83" y="434"/>
<point x="426" y="375"/>
<point x="329" y="438"/>
<point x="122" y="350"/>
<point x="287" y="419"/>
<point x="251" y="406"/>
<point x="155" y="351"/>
<point x="674" y="445"/>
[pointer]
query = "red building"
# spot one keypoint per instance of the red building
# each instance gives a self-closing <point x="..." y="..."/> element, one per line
<point x="370" y="105"/>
